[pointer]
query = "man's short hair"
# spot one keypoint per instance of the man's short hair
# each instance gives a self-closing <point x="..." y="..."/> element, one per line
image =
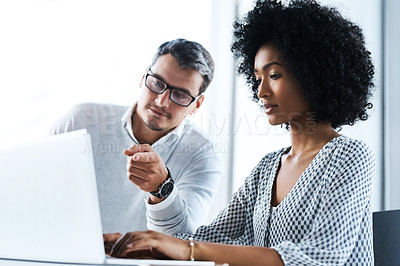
<point x="189" y="55"/>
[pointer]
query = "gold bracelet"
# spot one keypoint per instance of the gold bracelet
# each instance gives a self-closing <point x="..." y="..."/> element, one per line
<point x="191" y="244"/>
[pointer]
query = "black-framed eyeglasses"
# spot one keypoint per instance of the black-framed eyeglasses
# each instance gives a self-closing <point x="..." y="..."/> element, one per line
<point x="178" y="96"/>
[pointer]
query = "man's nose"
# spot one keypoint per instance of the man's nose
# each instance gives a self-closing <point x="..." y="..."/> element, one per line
<point x="163" y="98"/>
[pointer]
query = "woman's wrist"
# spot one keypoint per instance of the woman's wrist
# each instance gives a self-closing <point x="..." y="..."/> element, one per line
<point x="191" y="245"/>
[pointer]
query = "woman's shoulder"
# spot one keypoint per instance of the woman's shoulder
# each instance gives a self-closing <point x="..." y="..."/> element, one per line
<point x="352" y="147"/>
<point x="348" y="154"/>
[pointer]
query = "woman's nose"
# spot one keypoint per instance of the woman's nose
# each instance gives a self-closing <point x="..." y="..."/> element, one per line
<point x="263" y="90"/>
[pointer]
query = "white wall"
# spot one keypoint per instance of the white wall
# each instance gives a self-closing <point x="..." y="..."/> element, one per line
<point x="54" y="54"/>
<point x="392" y="108"/>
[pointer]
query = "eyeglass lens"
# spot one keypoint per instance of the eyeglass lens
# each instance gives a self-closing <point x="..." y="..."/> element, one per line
<point x="177" y="96"/>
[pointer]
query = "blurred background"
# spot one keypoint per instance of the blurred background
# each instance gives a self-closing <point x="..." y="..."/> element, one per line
<point x="57" y="53"/>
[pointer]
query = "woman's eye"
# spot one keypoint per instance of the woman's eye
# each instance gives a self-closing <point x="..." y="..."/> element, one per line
<point x="274" y="76"/>
<point x="258" y="82"/>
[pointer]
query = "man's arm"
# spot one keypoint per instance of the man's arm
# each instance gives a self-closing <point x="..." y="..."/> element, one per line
<point x="146" y="169"/>
<point x="78" y="117"/>
<point x="187" y="207"/>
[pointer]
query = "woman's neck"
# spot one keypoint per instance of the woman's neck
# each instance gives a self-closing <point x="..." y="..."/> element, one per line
<point x="311" y="139"/>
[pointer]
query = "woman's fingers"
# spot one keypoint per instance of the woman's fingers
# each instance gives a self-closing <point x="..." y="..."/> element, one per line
<point x="110" y="240"/>
<point x="120" y="245"/>
<point x="150" y="244"/>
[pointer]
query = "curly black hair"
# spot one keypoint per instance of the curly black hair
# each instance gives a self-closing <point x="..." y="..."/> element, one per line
<point x="324" y="51"/>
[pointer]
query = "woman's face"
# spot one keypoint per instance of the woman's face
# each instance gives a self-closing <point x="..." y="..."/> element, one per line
<point x="279" y="91"/>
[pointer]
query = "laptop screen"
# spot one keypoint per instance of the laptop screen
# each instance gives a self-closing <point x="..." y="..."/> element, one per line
<point x="48" y="201"/>
<point x="49" y="204"/>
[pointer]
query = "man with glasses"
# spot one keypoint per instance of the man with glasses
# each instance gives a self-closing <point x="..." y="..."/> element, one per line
<point x="154" y="168"/>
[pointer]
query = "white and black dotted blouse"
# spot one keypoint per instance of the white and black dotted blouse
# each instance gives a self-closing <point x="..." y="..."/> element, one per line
<point x="324" y="220"/>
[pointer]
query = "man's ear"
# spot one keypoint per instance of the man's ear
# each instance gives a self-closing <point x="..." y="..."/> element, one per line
<point x="199" y="102"/>
<point x="142" y="80"/>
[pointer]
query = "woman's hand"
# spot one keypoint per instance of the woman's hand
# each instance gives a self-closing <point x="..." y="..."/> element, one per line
<point x="110" y="240"/>
<point x="148" y="244"/>
<point x="151" y="244"/>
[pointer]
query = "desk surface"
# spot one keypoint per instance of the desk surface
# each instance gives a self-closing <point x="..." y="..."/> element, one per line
<point x="6" y="262"/>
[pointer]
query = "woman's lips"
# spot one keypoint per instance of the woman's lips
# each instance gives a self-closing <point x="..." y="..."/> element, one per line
<point x="269" y="108"/>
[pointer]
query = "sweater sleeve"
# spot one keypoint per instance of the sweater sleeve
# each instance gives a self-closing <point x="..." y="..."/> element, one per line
<point x="188" y="206"/>
<point x="78" y="117"/>
<point x="343" y="216"/>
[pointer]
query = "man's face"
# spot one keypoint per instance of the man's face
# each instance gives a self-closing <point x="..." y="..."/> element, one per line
<point x="157" y="111"/>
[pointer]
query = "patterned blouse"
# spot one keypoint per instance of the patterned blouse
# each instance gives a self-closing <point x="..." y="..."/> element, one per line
<point x="324" y="220"/>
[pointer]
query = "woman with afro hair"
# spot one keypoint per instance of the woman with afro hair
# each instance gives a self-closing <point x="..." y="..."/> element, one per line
<point x="308" y="204"/>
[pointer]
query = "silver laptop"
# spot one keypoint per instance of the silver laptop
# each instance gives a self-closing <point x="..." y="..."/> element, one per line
<point x="49" y="208"/>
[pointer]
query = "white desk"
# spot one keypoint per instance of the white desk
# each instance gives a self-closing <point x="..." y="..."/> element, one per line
<point x="5" y="262"/>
